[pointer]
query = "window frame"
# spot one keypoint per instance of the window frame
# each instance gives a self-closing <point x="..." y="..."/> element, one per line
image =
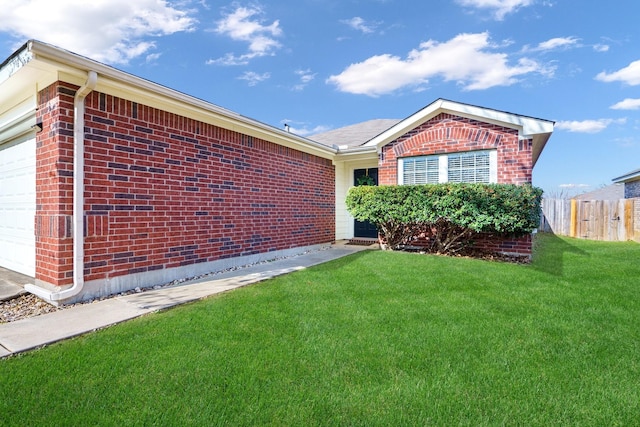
<point x="443" y="165"/>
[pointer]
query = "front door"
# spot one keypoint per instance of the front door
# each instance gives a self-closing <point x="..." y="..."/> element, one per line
<point x="365" y="177"/>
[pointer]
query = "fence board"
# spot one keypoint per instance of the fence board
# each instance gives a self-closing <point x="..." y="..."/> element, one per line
<point x="610" y="220"/>
<point x="556" y="216"/>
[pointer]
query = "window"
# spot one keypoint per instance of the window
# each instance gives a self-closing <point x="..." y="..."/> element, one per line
<point x="421" y="170"/>
<point x="469" y="167"/>
<point x="472" y="167"/>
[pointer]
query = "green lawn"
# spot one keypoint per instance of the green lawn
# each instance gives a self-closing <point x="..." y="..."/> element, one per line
<point x="376" y="338"/>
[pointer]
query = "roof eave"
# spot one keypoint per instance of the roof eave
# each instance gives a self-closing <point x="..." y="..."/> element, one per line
<point x="539" y="142"/>
<point x="632" y="176"/>
<point x="119" y="83"/>
<point x="528" y="127"/>
<point x="356" y="153"/>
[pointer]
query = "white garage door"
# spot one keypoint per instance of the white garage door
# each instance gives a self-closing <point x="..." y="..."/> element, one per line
<point x="18" y="206"/>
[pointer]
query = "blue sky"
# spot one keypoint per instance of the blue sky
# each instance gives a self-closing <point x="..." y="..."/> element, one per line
<point x="317" y="65"/>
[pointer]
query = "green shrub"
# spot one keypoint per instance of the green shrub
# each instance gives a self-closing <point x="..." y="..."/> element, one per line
<point x="447" y="215"/>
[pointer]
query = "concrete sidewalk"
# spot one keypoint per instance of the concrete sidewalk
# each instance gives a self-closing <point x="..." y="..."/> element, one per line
<point x="35" y="332"/>
<point x="12" y="284"/>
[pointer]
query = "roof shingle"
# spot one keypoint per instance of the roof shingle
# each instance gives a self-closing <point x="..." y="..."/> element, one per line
<point x="354" y="135"/>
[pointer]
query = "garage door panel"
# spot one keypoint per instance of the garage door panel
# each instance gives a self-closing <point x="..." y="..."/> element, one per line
<point x="18" y="255"/>
<point x="17" y="206"/>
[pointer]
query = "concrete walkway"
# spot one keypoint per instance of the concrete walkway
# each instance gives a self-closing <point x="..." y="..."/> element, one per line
<point x="34" y="332"/>
<point x="12" y="284"/>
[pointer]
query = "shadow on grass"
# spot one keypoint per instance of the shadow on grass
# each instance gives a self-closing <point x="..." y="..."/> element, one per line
<point x="550" y="251"/>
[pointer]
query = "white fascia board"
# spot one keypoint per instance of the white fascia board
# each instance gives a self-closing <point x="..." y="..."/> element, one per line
<point x="403" y="126"/>
<point x="527" y="126"/>
<point x="128" y="86"/>
<point x="357" y="154"/>
<point x="631" y="176"/>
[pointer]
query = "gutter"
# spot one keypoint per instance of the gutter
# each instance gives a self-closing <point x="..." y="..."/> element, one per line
<point x="356" y="153"/>
<point x="78" y="198"/>
<point x="112" y="77"/>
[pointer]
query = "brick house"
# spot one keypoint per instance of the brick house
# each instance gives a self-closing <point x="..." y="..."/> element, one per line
<point x="631" y="183"/>
<point x="109" y="181"/>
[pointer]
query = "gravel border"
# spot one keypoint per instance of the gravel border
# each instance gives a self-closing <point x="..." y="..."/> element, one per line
<point x="29" y="305"/>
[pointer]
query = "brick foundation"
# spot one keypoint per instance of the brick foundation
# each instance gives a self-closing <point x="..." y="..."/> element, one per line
<point x="519" y="246"/>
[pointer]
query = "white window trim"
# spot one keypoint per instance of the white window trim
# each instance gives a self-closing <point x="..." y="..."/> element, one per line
<point x="493" y="166"/>
<point x="443" y="166"/>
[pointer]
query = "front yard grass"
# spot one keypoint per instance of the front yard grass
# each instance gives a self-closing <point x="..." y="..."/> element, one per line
<point x="376" y="338"/>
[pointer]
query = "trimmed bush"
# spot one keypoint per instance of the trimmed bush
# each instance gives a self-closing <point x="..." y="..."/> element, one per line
<point x="446" y="216"/>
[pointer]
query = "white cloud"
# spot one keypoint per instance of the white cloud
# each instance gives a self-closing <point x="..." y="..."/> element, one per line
<point x="500" y="8"/>
<point x="244" y="24"/>
<point x="306" y="77"/>
<point x="111" y="31"/>
<point x="254" y="78"/>
<point x="599" y="47"/>
<point x="302" y="129"/>
<point x="360" y="24"/>
<point x="627" y="104"/>
<point x="629" y="75"/>
<point x="588" y="126"/>
<point x="574" y="185"/>
<point x="465" y="59"/>
<point x="228" y="59"/>
<point x="153" y="57"/>
<point x="564" y="43"/>
<point x="555" y="43"/>
<point x="628" y="142"/>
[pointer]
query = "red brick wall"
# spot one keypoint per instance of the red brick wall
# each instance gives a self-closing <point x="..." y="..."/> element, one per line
<point x="164" y="191"/>
<point x="520" y="246"/>
<point x="54" y="185"/>
<point x="448" y="133"/>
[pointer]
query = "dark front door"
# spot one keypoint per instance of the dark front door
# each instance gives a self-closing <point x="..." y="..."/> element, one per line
<point x="365" y="177"/>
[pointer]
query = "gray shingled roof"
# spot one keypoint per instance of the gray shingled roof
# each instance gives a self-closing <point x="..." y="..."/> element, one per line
<point x="354" y="135"/>
<point x="610" y="192"/>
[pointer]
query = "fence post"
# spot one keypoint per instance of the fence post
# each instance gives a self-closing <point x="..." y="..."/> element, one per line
<point x="574" y="218"/>
<point x="634" y="208"/>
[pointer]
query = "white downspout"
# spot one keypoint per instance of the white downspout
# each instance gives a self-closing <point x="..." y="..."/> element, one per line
<point x="78" y="198"/>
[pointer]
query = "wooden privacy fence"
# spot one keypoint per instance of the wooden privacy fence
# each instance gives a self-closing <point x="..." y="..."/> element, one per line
<point x="611" y="220"/>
